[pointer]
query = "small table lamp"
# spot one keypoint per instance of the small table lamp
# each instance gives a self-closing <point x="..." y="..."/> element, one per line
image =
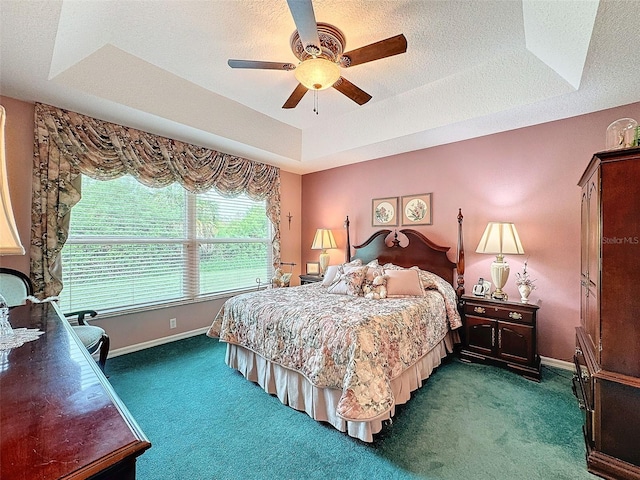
<point x="500" y="238"/>
<point x="323" y="240"/>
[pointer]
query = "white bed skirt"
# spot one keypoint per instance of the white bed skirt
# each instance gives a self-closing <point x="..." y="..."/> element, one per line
<point x="295" y="390"/>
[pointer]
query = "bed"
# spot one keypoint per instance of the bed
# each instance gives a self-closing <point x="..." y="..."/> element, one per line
<point x="340" y="357"/>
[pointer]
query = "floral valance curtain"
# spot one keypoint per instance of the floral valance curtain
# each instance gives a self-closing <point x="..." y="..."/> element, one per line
<point x="68" y="144"/>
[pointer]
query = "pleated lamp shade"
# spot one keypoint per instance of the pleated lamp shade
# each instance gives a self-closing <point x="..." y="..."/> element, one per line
<point x="500" y="238"/>
<point x="9" y="239"/>
<point x="323" y="240"/>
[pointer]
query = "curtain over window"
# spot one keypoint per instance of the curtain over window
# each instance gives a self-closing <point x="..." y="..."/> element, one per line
<point x="68" y="144"/>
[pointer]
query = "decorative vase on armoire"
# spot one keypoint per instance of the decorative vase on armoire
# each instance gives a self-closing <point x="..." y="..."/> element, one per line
<point x="607" y="355"/>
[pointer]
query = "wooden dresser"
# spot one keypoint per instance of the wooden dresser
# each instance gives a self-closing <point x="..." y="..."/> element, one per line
<point x="607" y="358"/>
<point x="59" y="416"/>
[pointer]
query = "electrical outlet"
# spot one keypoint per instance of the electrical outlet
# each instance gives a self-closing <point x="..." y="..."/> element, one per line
<point x="172" y="323"/>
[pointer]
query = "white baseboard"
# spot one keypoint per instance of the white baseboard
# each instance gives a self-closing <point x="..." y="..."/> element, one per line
<point x="553" y="362"/>
<point x="158" y="341"/>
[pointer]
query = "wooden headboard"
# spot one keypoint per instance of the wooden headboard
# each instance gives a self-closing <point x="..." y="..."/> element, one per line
<point x="420" y="251"/>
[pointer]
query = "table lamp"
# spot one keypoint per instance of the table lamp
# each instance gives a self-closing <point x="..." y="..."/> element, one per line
<point x="498" y="239"/>
<point x="9" y="239"/>
<point x="323" y="240"/>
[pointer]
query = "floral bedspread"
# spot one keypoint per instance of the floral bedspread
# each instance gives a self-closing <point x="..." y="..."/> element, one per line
<point x="350" y="343"/>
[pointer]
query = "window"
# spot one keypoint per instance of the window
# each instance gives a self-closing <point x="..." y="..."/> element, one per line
<point x="131" y="246"/>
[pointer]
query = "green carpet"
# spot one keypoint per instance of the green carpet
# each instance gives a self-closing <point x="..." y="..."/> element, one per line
<point x="469" y="421"/>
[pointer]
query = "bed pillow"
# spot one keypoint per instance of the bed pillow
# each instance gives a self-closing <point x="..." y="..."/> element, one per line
<point x="404" y="283"/>
<point x="331" y="275"/>
<point x="430" y="281"/>
<point x="349" y="281"/>
<point x="353" y="263"/>
<point x="393" y="266"/>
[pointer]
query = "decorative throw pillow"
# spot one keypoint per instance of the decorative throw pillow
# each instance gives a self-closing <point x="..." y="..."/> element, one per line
<point x="349" y="281"/>
<point x="404" y="283"/>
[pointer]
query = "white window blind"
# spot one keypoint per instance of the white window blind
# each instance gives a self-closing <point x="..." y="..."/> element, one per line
<point x="132" y="246"/>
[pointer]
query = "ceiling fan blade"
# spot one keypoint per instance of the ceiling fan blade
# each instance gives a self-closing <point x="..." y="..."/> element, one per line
<point x="262" y="65"/>
<point x="295" y="97"/>
<point x="375" y="51"/>
<point x="305" y="20"/>
<point x="356" y="94"/>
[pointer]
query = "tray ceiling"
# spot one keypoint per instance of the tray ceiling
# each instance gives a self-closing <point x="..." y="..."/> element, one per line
<point x="471" y="68"/>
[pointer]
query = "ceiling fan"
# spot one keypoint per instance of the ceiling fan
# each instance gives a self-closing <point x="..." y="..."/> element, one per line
<point x="320" y="49"/>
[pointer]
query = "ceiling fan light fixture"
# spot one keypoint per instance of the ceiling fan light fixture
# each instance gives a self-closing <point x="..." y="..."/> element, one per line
<point x="317" y="73"/>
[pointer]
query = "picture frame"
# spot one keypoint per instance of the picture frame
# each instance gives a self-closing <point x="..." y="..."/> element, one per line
<point x="313" y="268"/>
<point x="384" y="212"/>
<point x="416" y="209"/>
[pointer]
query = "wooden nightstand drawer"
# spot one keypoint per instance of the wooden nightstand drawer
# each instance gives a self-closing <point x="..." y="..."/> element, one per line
<point x="508" y="312"/>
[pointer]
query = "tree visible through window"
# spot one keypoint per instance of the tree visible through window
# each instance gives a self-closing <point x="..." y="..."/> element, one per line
<point x="132" y="246"/>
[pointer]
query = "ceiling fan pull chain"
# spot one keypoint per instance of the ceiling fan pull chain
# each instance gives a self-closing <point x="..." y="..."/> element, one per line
<point x="315" y="101"/>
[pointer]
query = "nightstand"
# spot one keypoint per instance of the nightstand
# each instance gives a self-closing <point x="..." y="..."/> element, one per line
<point x="304" y="279"/>
<point x="501" y="333"/>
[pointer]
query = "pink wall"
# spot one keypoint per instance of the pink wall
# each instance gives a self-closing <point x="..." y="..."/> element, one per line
<point x="527" y="176"/>
<point x="135" y="328"/>
<point x="290" y="204"/>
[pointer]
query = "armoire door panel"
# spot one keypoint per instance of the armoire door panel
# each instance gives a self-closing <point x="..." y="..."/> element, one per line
<point x="592" y="322"/>
<point x="619" y="434"/>
<point x="620" y="302"/>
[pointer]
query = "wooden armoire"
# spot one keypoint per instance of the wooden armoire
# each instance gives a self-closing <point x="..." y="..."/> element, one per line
<point x="607" y="357"/>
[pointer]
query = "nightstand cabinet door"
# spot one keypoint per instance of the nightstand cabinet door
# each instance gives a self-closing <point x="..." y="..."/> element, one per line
<point x="480" y="335"/>
<point x="515" y="343"/>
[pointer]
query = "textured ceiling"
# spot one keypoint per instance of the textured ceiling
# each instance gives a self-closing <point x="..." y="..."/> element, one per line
<point x="471" y="68"/>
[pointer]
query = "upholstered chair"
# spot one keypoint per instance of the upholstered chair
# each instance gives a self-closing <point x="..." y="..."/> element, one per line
<point x="15" y="287"/>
